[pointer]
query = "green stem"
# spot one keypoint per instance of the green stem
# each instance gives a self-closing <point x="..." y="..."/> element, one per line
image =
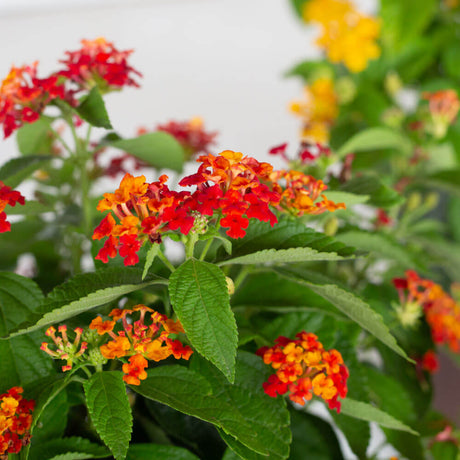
<point x="190" y="245"/>
<point x="165" y="260"/>
<point x="206" y="248"/>
<point x="62" y="141"/>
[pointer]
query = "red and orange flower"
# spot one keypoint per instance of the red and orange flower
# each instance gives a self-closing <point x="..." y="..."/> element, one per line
<point x="8" y="197"/>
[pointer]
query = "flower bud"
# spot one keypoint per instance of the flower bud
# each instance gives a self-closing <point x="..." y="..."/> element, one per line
<point x="414" y="201"/>
<point x="230" y="285"/>
<point x="331" y="226"/>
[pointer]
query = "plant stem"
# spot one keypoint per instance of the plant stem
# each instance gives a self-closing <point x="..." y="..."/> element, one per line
<point x="206" y="248"/>
<point x="165" y="260"/>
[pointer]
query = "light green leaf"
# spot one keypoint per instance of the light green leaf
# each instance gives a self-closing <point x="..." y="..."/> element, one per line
<point x="364" y="411"/>
<point x="84" y="292"/>
<point x="14" y="171"/>
<point x="352" y="306"/>
<point x="72" y="448"/>
<point x="160" y="150"/>
<point x="447" y="180"/>
<point x="30" y="208"/>
<point x="109" y="410"/>
<point x="34" y="138"/>
<point x="92" y="109"/>
<point x="350" y="199"/>
<point x="153" y="451"/>
<point x="151" y="254"/>
<point x="199" y="296"/>
<point x="375" y="139"/>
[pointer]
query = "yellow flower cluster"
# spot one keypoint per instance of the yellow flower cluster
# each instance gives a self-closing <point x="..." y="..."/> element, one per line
<point x="318" y="110"/>
<point x="347" y="35"/>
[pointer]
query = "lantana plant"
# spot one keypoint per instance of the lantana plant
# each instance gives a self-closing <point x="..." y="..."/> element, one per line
<point x="239" y="311"/>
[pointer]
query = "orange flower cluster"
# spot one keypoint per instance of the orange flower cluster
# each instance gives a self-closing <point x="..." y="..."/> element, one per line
<point x="8" y="197"/>
<point x="443" y="106"/>
<point x="304" y="368"/>
<point x="347" y="35"/>
<point x="23" y="97"/>
<point x="99" y="63"/>
<point x="301" y="192"/>
<point x="442" y="312"/>
<point x="15" y="421"/>
<point x="139" y="341"/>
<point x="318" y="111"/>
<point x="65" y="349"/>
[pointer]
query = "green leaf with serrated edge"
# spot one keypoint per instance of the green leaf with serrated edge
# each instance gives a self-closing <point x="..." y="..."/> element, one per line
<point x="365" y="411"/>
<point x="242" y="410"/>
<point x="350" y="199"/>
<point x="21" y="361"/>
<point x="14" y="171"/>
<point x="240" y="451"/>
<point x="370" y="184"/>
<point x="109" y="409"/>
<point x="151" y="254"/>
<point x="71" y="448"/>
<point x="34" y="138"/>
<point x="286" y="234"/>
<point x="160" y="150"/>
<point x="352" y="306"/>
<point x="200" y="298"/>
<point x="283" y="256"/>
<point x="152" y="451"/>
<point x="377" y="138"/>
<point x="92" y="109"/>
<point x="382" y="244"/>
<point x="84" y="292"/>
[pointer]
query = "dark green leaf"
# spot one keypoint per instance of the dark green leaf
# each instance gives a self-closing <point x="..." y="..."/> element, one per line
<point x="238" y="450"/>
<point x="160" y="150"/>
<point x="92" y="109"/>
<point x="199" y="295"/>
<point x="298" y="6"/>
<point x="14" y="171"/>
<point x="84" y="292"/>
<point x="35" y="138"/>
<point x="447" y="180"/>
<point x="153" y="451"/>
<point x="445" y="451"/>
<point x="72" y="448"/>
<point x="109" y="410"/>
<point x="151" y="254"/>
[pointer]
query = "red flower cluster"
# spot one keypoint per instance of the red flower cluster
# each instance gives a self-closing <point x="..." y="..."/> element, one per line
<point x="99" y="63"/>
<point x="442" y="312"/>
<point x="304" y="368"/>
<point x="140" y="341"/>
<point x="15" y="421"/>
<point x="308" y="153"/>
<point x="23" y="97"/>
<point x="191" y="135"/>
<point x="7" y="197"/>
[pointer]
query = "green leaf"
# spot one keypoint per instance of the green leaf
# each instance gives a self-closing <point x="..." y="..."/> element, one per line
<point x="238" y="450"/>
<point x="152" y="451"/>
<point x="446" y="450"/>
<point x="352" y="306"/>
<point x="453" y="217"/>
<point x="383" y="245"/>
<point x="14" y="171"/>
<point x="84" y="292"/>
<point x="71" y="448"/>
<point x="450" y="59"/>
<point x="30" y="208"/>
<point x="241" y="410"/>
<point x="21" y="361"/>
<point x="365" y="411"/>
<point x="370" y="184"/>
<point x="151" y="254"/>
<point x="298" y="6"/>
<point x="350" y="199"/>
<point x="310" y="70"/>
<point x="92" y="109"/>
<point x="199" y="295"/>
<point x="445" y="180"/>
<point x="160" y="150"/>
<point x="35" y="138"/>
<point x="376" y="139"/>
<point x="109" y="410"/>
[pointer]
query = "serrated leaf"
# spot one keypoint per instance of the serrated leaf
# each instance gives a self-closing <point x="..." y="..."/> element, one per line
<point x="355" y="308"/>
<point x="383" y="245"/>
<point x="283" y="256"/>
<point x="108" y="407"/>
<point x="200" y="298"/>
<point x="152" y="451"/>
<point x="14" y="171"/>
<point x="238" y="450"/>
<point x="34" y="138"/>
<point x="84" y="292"/>
<point x="92" y="109"/>
<point x="151" y="254"/>
<point x="365" y="411"/>
<point x="242" y="410"/>
<point x="21" y="361"/>
<point x="160" y="150"/>
<point x="377" y="138"/>
<point x="71" y="448"/>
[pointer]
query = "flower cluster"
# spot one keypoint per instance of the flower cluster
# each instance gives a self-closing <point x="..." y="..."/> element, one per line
<point x="441" y="311"/>
<point x="140" y="341"/>
<point x="443" y="106"/>
<point x="8" y="197"/>
<point x="65" y="350"/>
<point x="23" y="97"/>
<point x="307" y="153"/>
<point x="99" y="63"/>
<point x="347" y="35"/>
<point x="303" y="368"/>
<point x="318" y="110"/>
<point x="15" y="421"/>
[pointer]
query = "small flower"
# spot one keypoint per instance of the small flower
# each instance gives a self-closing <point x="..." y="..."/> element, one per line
<point x="443" y="106"/>
<point x="8" y="197"/>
